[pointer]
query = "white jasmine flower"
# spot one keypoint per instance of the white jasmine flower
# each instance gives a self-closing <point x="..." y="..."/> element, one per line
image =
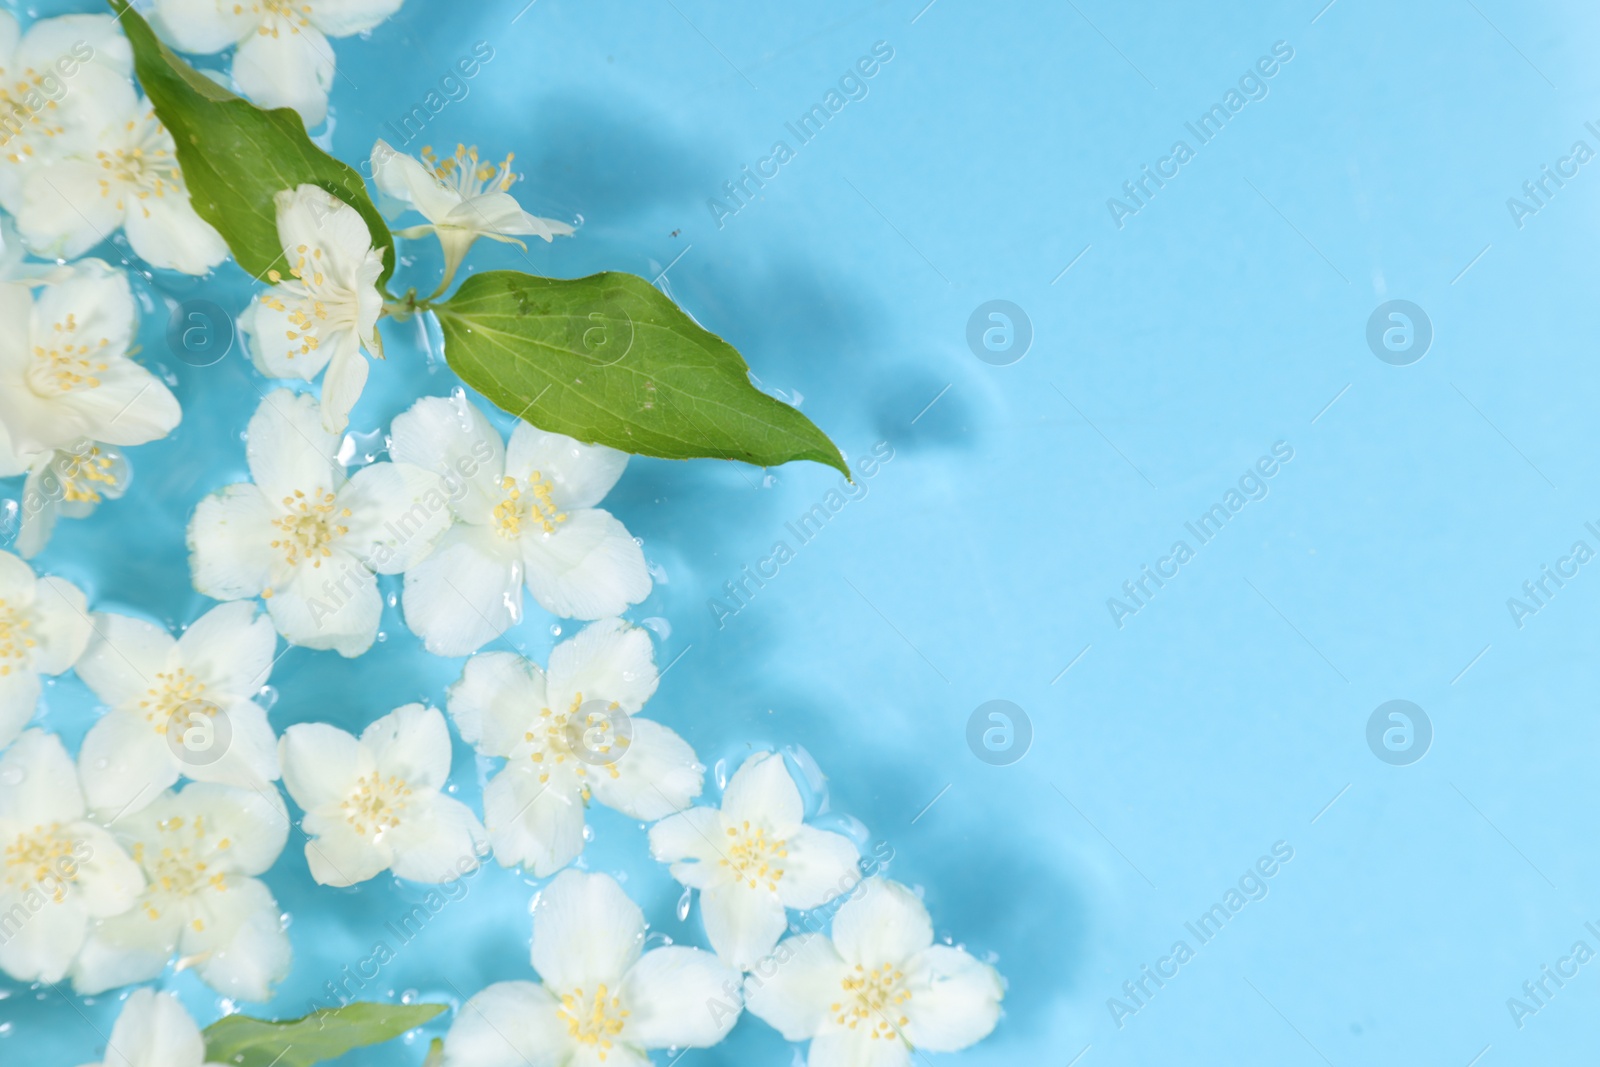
<point x="68" y="483"/>
<point x="328" y="309"/>
<point x="200" y="850"/>
<point x="44" y="626"/>
<point x="177" y="707"/>
<point x="601" y="1000"/>
<point x="307" y="537"/>
<point x="753" y="859"/>
<point x="283" y="58"/>
<point x="59" y="871"/>
<point x="65" y="372"/>
<point x="61" y="84"/>
<point x="128" y="178"/>
<point x="462" y="199"/>
<point x="879" y="990"/>
<point x="568" y="738"/>
<point x="154" y="1031"/>
<point x="374" y="803"/>
<point x="526" y="517"/>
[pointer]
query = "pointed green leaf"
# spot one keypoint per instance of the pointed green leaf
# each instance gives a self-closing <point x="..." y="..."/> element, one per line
<point x="609" y="359"/>
<point x="240" y="1041"/>
<point x="236" y="157"/>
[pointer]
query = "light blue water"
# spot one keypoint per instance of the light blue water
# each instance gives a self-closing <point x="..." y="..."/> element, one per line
<point x="1221" y="318"/>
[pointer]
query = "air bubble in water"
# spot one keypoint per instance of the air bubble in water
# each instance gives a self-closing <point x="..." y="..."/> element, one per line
<point x="683" y="904"/>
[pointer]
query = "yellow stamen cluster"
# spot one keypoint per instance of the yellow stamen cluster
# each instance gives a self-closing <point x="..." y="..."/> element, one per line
<point x="871" y="997"/>
<point x="593" y="1020"/>
<point x="176" y="869"/>
<point x="147" y="169"/>
<point x="536" y="508"/>
<point x="755" y="857"/>
<point x="173" y="690"/>
<point x="375" y="804"/>
<point x="318" y="305"/>
<point x="467" y="175"/>
<point x="41" y="858"/>
<point x="309" y="309"/>
<point x="62" y="362"/>
<point x="310" y="527"/>
<point x="16" y="637"/>
<point x="277" y="14"/>
<point x="83" y="474"/>
<point x="24" y="109"/>
<point x="551" y="734"/>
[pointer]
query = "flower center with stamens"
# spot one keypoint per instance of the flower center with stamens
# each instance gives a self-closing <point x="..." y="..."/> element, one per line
<point x="754" y="857"/>
<point x="63" y="361"/>
<point x="174" y="869"/>
<point x="42" y="859"/>
<point x="315" y="305"/>
<point x="535" y="507"/>
<point x="592" y="1020"/>
<point x="310" y="526"/>
<point x="552" y="747"/>
<point x="26" y="100"/>
<point x="469" y="177"/>
<point x="375" y="804"/>
<point x="83" y="474"/>
<point x="276" y="15"/>
<point x="552" y="738"/>
<point x="173" y="690"/>
<point x="16" y="638"/>
<point x="147" y="168"/>
<point x="873" y="998"/>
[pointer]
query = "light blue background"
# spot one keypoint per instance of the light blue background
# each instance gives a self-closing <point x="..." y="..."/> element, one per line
<point x="1223" y="317"/>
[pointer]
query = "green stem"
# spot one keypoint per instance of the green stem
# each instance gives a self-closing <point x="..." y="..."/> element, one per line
<point x="406" y="306"/>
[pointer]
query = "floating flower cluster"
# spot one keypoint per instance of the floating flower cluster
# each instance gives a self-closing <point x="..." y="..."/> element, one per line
<point x="107" y="874"/>
<point x="114" y="867"/>
<point x="282" y="57"/>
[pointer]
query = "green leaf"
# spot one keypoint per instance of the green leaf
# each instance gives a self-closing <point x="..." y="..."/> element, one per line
<point x="609" y="359"/>
<point x="241" y="1041"/>
<point x="236" y="157"/>
<point x="435" y="1053"/>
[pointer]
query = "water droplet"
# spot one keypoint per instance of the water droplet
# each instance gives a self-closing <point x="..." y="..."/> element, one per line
<point x="683" y="904"/>
<point x="555" y="629"/>
<point x="720" y="773"/>
<point x="361" y="447"/>
<point x="588" y="832"/>
<point x="657" y="625"/>
<point x="267" y="697"/>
